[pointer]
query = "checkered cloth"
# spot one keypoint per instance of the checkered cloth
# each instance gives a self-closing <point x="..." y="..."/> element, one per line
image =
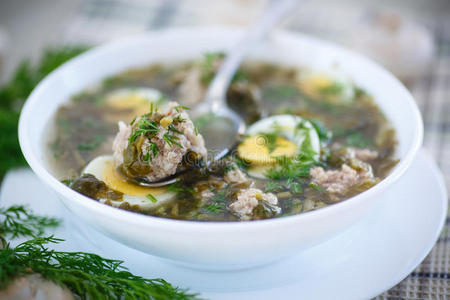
<point x="102" y="20"/>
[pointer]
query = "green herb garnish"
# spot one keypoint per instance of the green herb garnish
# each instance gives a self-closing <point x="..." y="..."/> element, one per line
<point x="273" y="186"/>
<point x="144" y="127"/>
<point x="218" y="203"/>
<point x="20" y="221"/>
<point x="317" y="187"/>
<point x="295" y="167"/>
<point x="180" y="188"/>
<point x="87" y="275"/>
<point x="178" y="108"/>
<point x="151" y="198"/>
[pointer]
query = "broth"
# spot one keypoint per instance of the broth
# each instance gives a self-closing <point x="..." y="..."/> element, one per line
<point x="356" y="141"/>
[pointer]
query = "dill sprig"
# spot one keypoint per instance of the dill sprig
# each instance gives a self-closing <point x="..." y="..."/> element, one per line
<point x="218" y="203"/>
<point x="20" y="221"/>
<point x="87" y="275"/>
<point x="292" y="169"/>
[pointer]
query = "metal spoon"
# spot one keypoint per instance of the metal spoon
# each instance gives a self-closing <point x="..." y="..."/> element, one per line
<point x="214" y="107"/>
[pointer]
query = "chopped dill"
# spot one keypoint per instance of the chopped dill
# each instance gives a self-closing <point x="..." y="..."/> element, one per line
<point x="180" y="188"/>
<point x="218" y="203"/>
<point x="171" y="140"/>
<point x="273" y="186"/>
<point x="294" y="167"/>
<point x="151" y="198"/>
<point x="178" y="108"/>
<point x="144" y="127"/>
<point x="317" y="187"/>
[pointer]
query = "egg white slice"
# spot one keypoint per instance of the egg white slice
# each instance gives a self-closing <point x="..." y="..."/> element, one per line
<point x="149" y="94"/>
<point x="102" y="167"/>
<point x="132" y="102"/>
<point x="287" y="126"/>
<point x="313" y="81"/>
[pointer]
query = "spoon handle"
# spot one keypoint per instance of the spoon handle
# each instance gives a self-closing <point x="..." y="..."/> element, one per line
<point x="273" y="13"/>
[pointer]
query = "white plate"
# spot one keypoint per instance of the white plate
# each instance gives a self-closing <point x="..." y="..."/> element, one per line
<point x="361" y="263"/>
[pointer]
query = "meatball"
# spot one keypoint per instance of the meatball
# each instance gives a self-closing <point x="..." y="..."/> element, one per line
<point x="158" y="144"/>
<point x="249" y="200"/>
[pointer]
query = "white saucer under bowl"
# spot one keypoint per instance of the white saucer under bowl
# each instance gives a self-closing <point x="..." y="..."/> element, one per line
<point x="361" y="263"/>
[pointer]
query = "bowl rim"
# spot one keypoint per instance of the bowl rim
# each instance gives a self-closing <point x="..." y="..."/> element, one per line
<point x="187" y="225"/>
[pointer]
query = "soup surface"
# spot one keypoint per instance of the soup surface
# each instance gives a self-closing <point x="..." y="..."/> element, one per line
<point x="313" y="139"/>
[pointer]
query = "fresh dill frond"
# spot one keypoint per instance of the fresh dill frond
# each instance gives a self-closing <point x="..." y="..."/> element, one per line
<point x="180" y="188"/>
<point x="295" y="167"/>
<point x="18" y="220"/>
<point x="87" y="275"/>
<point x="218" y="203"/>
<point x="144" y="127"/>
<point x="273" y="186"/>
<point x="171" y="140"/>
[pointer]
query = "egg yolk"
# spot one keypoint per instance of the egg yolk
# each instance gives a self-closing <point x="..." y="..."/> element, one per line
<point x="116" y="182"/>
<point x="255" y="149"/>
<point x="133" y="105"/>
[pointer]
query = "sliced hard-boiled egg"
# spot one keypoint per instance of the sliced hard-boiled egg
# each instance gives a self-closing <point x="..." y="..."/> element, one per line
<point x="277" y="136"/>
<point x="146" y="198"/>
<point x="328" y="85"/>
<point x="256" y="149"/>
<point x="131" y="102"/>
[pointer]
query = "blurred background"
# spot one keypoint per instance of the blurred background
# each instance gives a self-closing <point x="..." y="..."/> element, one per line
<point x="392" y="31"/>
<point x="409" y="37"/>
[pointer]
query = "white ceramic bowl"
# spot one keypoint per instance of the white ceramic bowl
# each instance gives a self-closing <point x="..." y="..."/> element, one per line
<point x="217" y="245"/>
